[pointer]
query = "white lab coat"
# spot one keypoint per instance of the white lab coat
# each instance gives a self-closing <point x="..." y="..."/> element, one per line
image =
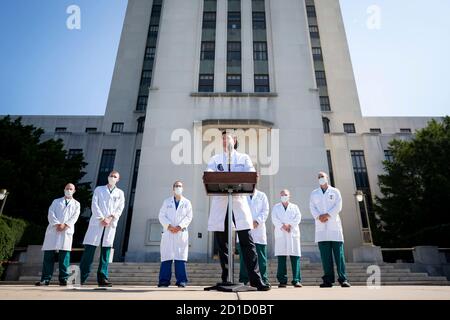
<point x="59" y="213"/>
<point x="329" y="202"/>
<point x="240" y="162"/>
<point x="259" y="204"/>
<point x="175" y="246"/>
<point x="104" y="204"/>
<point x="287" y="243"/>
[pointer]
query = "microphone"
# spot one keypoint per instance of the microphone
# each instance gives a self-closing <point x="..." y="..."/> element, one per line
<point x="230" y="147"/>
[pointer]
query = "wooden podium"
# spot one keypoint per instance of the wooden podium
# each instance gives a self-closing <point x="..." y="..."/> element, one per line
<point x="230" y="184"/>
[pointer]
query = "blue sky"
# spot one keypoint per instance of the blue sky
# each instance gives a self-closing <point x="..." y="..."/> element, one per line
<point x="401" y="69"/>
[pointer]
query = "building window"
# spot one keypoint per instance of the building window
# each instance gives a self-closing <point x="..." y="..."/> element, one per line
<point x="140" y="125"/>
<point x="234" y="51"/>
<point x="89" y="130"/>
<point x="326" y="125"/>
<point x="260" y="51"/>
<point x="106" y="166"/>
<point x="60" y="129"/>
<point x="150" y="53"/>
<point x="207" y="50"/>
<point x="117" y="127"/>
<point x="388" y="155"/>
<point x="73" y="153"/>
<point x="317" y="53"/>
<point x="321" y="78"/>
<point x="375" y="130"/>
<point x="234" y="83"/>
<point x="156" y="10"/>
<point x="153" y="31"/>
<point x="131" y="202"/>
<point x="362" y="182"/>
<point x="234" y="20"/>
<point x="311" y="11"/>
<point x="349" y="128"/>
<point x="259" y="20"/>
<point x="330" y="168"/>
<point x="209" y="20"/>
<point x="405" y="130"/>
<point x="325" y="103"/>
<point x="142" y="103"/>
<point x="146" y="78"/>
<point x="262" y="83"/>
<point x="206" y="83"/>
<point x="314" y="32"/>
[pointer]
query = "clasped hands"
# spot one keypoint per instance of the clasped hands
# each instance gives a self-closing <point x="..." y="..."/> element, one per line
<point x="61" y="227"/>
<point x="106" y="222"/>
<point x="324" y="217"/>
<point x="174" y="229"/>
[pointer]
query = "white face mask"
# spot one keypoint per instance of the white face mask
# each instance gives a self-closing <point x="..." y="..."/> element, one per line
<point x="112" y="181"/>
<point x="323" y="181"/>
<point x="284" y="198"/>
<point x="68" y="193"/>
<point x="178" y="191"/>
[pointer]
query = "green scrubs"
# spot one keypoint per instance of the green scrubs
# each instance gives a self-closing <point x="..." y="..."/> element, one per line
<point x="88" y="257"/>
<point x="261" y="250"/>
<point x="49" y="264"/>
<point x="328" y="249"/>
<point x="282" y="270"/>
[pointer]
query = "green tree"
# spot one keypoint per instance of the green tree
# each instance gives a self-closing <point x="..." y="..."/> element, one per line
<point x="414" y="207"/>
<point x="35" y="172"/>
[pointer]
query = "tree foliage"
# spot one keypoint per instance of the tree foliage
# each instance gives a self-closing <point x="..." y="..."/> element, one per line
<point x="35" y="171"/>
<point x="414" y="206"/>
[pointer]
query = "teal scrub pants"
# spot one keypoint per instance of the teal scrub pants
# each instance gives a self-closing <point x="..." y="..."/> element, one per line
<point x="282" y="270"/>
<point x="88" y="258"/>
<point x="328" y="249"/>
<point x="49" y="264"/>
<point x="261" y="250"/>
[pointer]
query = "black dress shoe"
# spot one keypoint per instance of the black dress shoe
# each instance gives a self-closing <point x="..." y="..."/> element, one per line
<point x="326" y="285"/>
<point x="263" y="287"/>
<point x="345" y="284"/>
<point x="104" y="284"/>
<point x="160" y="285"/>
<point x="298" y="285"/>
<point x="42" y="283"/>
<point x="282" y="285"/>
<point x="63" y="283"/>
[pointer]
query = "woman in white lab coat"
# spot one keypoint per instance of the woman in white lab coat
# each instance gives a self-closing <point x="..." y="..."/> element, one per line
<point x="175" y="216"/>
<point x="286" y="217"/>
<point x="62" y="216"/>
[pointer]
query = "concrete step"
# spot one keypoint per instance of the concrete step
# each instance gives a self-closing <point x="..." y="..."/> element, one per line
<point x="213" y="279"/>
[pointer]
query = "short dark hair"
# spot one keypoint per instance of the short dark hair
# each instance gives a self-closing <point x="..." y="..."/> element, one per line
<point x="236" y="145"/>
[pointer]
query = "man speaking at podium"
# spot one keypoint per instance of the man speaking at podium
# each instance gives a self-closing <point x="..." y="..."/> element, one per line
<point x="231" y="160"/>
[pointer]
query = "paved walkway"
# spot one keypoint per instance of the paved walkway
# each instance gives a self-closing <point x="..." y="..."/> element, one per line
<point x="14" y="292"/>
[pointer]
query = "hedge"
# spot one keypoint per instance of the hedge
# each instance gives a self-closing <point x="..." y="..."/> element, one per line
<point x="11" y="232"/>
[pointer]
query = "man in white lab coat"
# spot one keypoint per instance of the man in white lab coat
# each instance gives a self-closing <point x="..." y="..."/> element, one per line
<point x="259" y="204"/>
<point x="242" y="215"/>
<point x="325" y="205"/>
<point x="175" y="216"/>
<point x="286" y="218"/>
<point x="107" y="206"/>
<point x="62" y="216"/>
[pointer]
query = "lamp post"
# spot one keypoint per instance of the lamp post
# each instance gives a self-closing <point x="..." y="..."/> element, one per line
<point x="366" y="232"/>
<point x="3" y="196"/>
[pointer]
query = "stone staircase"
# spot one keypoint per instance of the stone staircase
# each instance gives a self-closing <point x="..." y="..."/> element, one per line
<point x="206" y="274"/>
